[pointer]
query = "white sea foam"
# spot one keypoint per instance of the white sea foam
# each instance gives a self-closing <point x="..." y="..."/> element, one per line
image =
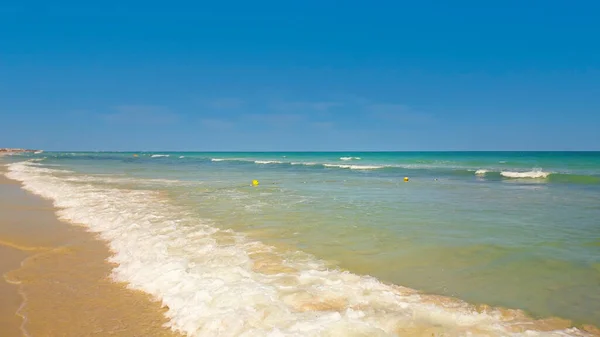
<point x="181" y="157"/>
<point x="267" y="162"/>
<point x="113" y="179"/>
<point x="159" y="155"/>
<point x="330" y="165"/>
<point x="481" y="172"/>
<point x="227" y="159"/>
<point x="215" y="287"/>
<point x="355" y="167"/>
<point x="349" y="158"/>
<point x="304" y="163"/>
<point x="530" y="174"/>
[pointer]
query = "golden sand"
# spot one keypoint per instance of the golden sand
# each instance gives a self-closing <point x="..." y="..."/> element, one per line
<point x="61" y="284"/>
<point x="10" y="323"/>
<point x="56" y="278"/>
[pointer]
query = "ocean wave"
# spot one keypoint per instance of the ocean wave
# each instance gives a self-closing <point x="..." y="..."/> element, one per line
<point x="216" y="287"/>
<point x="481" y="172"/>
<point x="159" y="155"/>
<point x="548" y="177"/>
<point x="356" y="167"/>
<point x="108" y="179"/>
<point x="330" y="165"/>
<point x="400" y="168"/>
<point x="228" y="159"/>
<point x="537" y="174"/>
<point x="349" y="158"/>
<point x="305" y="163"/>
<point x="71" y="176"/>
<point x="267" y="162"/>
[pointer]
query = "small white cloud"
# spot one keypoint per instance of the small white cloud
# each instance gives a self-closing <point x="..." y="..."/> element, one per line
<point x="141" y="114"/>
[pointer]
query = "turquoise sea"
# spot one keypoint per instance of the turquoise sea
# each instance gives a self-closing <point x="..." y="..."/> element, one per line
<point x="334" y="243"/>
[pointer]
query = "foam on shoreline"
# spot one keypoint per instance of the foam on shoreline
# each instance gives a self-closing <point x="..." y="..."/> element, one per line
<point x="56" y="281"/>
<point x="220" y="283"/>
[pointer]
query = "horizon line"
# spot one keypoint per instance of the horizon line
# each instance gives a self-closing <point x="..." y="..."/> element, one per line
<point x="308" y="151"/>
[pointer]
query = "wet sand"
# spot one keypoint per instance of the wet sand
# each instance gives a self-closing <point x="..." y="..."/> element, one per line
<point x="57" y="281"/>
<point x="11" y="300"/>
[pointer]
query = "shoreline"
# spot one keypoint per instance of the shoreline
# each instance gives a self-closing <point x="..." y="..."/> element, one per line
<point x="11" y="322"/>
<point x="63" y="258"/>
<point x="56" y="280"/>
<point x="12" y="151"/>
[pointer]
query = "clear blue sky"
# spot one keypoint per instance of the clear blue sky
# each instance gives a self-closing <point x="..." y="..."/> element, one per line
<point x="302" y="75"/>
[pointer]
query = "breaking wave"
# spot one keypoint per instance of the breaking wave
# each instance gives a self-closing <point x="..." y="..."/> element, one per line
<point x="536" y="174"/>
<point x="356" y="167"/>
<point x="221" y="283"/>
<point x="267" y="162"/>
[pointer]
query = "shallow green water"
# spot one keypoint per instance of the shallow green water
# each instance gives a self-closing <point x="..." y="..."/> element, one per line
<point x="523" y="234"/>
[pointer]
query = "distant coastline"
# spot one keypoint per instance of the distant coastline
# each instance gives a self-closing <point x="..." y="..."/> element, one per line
<point x="10" y="151"/>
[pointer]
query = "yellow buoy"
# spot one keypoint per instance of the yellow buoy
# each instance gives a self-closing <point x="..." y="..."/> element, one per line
<point x="254" y="182"/>
<point x="405" y="178"/>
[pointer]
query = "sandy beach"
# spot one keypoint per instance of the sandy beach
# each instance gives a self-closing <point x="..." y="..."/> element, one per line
<point x="166" y="236"/>
<point x="55" y="278"/>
